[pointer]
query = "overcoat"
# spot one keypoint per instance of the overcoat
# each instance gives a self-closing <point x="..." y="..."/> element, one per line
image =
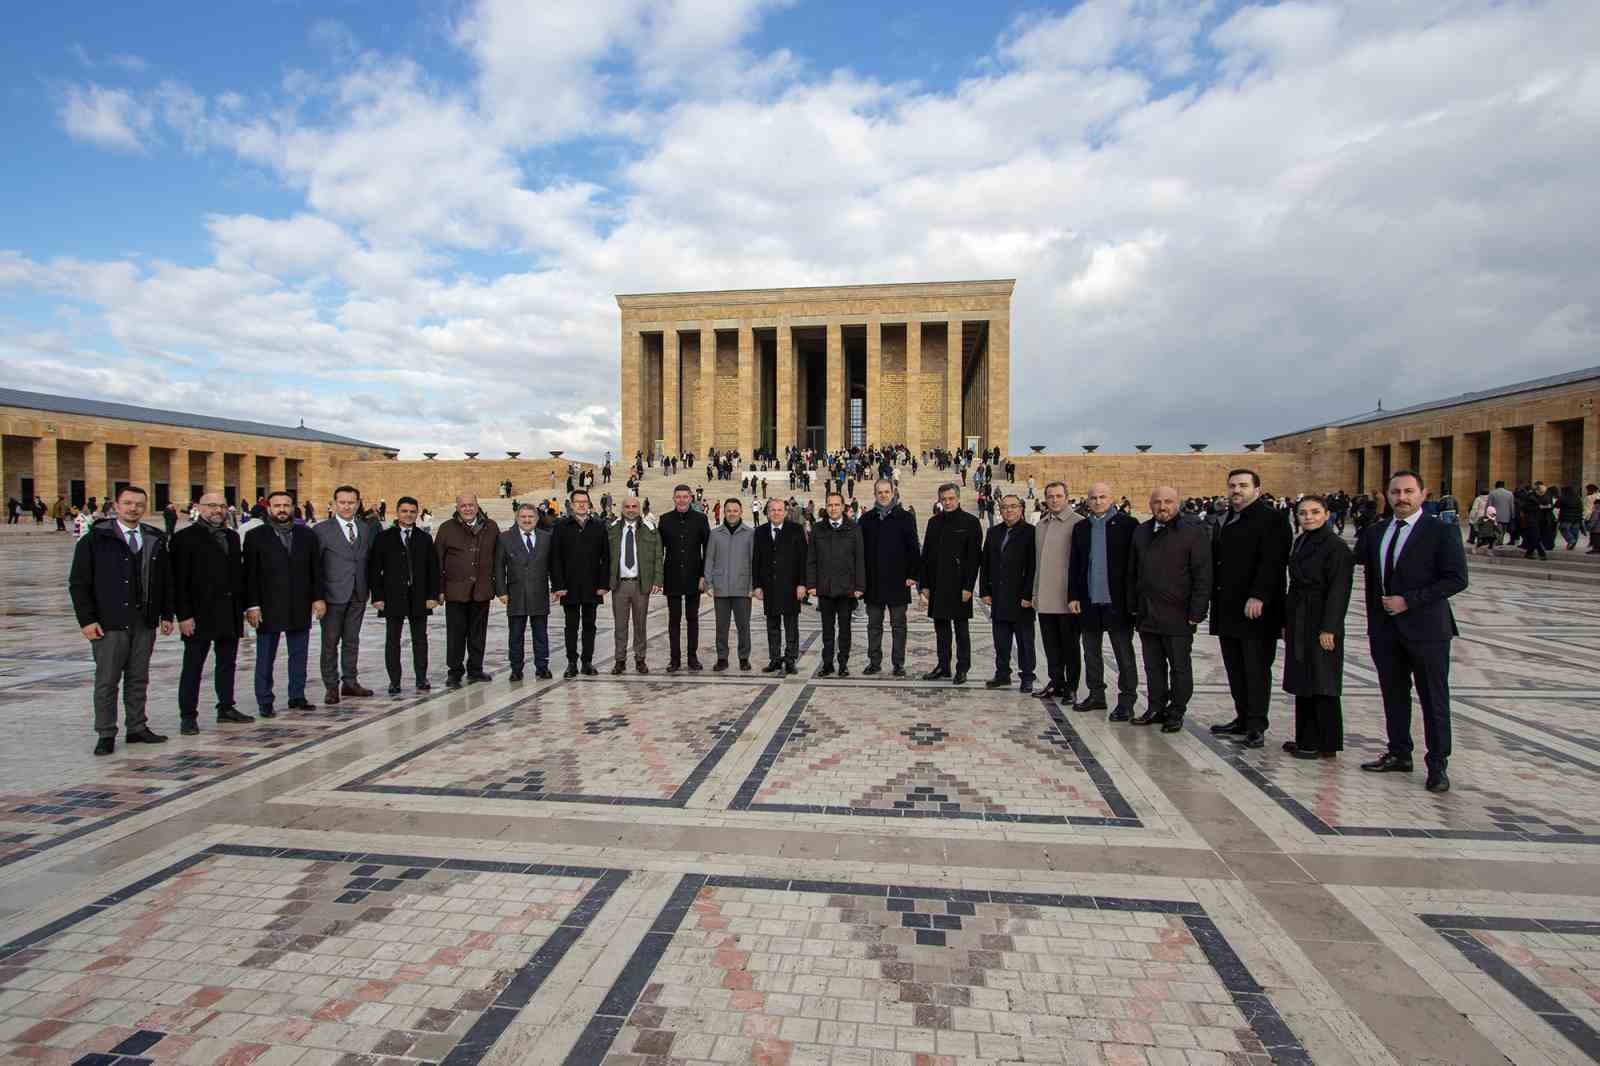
<point x="1321" y="576"/>
<point x="952" y="551"/>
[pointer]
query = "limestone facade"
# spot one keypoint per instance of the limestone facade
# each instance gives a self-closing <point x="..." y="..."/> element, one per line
<point x="1545" y="430"/>
<point x="821" y="367"/>
<point x="1192" y="474"/>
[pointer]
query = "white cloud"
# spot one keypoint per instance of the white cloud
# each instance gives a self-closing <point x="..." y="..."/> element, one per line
<point x="110" y="118"/>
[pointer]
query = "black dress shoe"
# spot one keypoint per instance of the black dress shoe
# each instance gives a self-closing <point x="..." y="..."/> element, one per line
<point x="826" y="670"/>
<point x="1121" y="714"/>
<point x="189" y="728"/>
<point x="1150" y="717"/>
<point x="1438" y="781"/>
<point x="871" y="668"/>
<point x="1233" y="728"/>
<point x="394" y="690"/>
<point x="694" y="665"/>
<point x="452" y="681"/>
<point x="571" y="670"/>
<point x="1050" y="690"/>
<point x="938" y="673"/>
<point x="1290" y="746"/>
<point x="789" y="668"/>
<point x="1303" y="753"/>
<point x="673" y="667"/>
<point x="105" y="745"/>
<point x="997" y="682"/>
<point x="1026" y="687"/>
<point x="543" y="675"/>
<point x="1090" y="703"/>
<point x="1250" y="740"/>
<point x="619" y="667"/>
<point x="145" y="736"/>
<point x="1388" y="763"/>
<point x="423" y="686"/>
<point x="844" y="671"/>
<point x="719" y="666"/>
<point x="588" y="670"/>
<point x="301" y="704"/>
<point x="744" y="664"/>
<point x="774" y="667"/>
<point x="232" y="714"/>
<point x="266" y="712"/>
<point x="960" y="678"/>
<point x="1170" y="724"/>
<point x="640" y="668"/>
<point x="516" y="675"/>
<point x="479" y="678"/>
<point x="898" y="671"/>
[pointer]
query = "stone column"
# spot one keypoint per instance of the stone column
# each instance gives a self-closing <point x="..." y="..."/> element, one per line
<point x="671" y="420"/>
<point x="708" y="388"/>
<point x="272" y="473"/>
<point x="1431" y="465"/>
<point x="1546" y="453"/>
<point x="999" y="369"/>
<point x="874" y="412"/>
<point x="1502" y="458"/>
<point x="634" y="401"/>
<point x="788" y="405"/>
<point x="1591" y="449"/>
<point x="1373" y="474"/>
<point x="95" y="481"/>
<point x="749" y="393"/>
<point x="836" y="421"/>
<point x="952" y="386"/>
<point x="178" y="476"/>
<point x="46" y="470"/>
<point x="216" y="473"/>
<point x="1464" y="469"/>
<point x="139" y="469"/>
<point x="913" y="438"/>
<point x="247" y="480"/>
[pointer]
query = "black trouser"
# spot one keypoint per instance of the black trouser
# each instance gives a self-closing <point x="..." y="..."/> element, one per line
<point x="1021" y="631"/>
<point x="1399" y="661"/>
<point x="836" y="614"/>
<point x="466" y="627"/>
<point x="897" y="634"/>
<point x="1248" y="661"/>
<point x="963" y="640"/>
<point x="686" y="604"/>
<point x="783" y="636"/>
<point x="1101" y="620"/>
<point x="1059" y="635"/>
<point x="1168" y="672"/>
<point x="517" y="626"/>
<point x="1318" y="723"/>
<point x="195" y="650"/>
<point x="392" y="622"/>
<point x="583" y="613"/>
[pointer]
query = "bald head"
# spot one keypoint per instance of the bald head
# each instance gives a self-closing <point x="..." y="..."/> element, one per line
<point x="1099" y="498"/>
<point x="1164" y="503"/>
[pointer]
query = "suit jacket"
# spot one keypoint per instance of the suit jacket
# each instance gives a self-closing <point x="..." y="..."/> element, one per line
<point x="647" y="552"/>
<point x="344" y="564"/>
<point x="208" y="582"/>
<point x="683" y="549"/>
<point x="1007" y="576"/>
<point x="580" y="560"/>
<point x="952" y="551"/>
<point x="1249" y="555"/>
<point x="836" y="562"/>
<point x="523" y="578"/>
<point x="111" y="585"/>
<point x="1430" y="569"/>
<point x="403" y="579"/>
<point x="282" y="583"/>
<point x="1119" y="545"/>
<point x="780" y="567"/>
<point x="893" y="555"/>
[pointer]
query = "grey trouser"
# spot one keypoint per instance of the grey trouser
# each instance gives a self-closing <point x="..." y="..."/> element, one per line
<point x="630" y="602"/>
<point x="341" y="642"/>
<point x="122" y="656"/>
<point x="897" y="629"/>
<point x="739" y="607"/>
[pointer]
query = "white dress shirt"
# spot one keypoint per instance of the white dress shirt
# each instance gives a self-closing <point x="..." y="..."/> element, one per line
<point x="623" y="569"/>
<point x="1388" y="535"/>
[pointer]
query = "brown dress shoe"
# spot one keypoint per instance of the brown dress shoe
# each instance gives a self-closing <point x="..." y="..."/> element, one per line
<point x="350" y="689"/>
<point x="330" y="697"/>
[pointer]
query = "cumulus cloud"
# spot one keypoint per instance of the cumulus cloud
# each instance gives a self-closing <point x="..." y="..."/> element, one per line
<point x="110" y="118"/>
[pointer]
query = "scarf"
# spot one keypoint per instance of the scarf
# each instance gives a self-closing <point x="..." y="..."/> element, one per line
<point x="882" y="511"/>
<point x="285" y="532"/>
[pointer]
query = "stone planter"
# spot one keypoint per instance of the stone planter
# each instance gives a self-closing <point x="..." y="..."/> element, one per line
<point x="1142" y="448"/>
<point x="1252" y="447"/>
<point x="1036" y="449"/>
<point x="430" y="455"/>
<point x="512" y="455"/>
<point x="1199" y="447"/>
<point x="1089" y="448"/>
<point x="472" y="455"/>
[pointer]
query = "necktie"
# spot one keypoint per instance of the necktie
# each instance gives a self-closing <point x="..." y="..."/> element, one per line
<point x="350" y="532"/>
<point x="137" y="576"/>
<point x="1389" y="557"/>
<point x="405" y="539"/>
<point x="528" y="539"/>
<point x="627" y="547"/>
<point x="133" y="540"/>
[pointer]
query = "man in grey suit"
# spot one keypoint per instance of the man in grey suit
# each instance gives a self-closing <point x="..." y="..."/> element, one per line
<point x="343" y="541"/>
<point x="729" y="559"/>
<point x="522" y="582"/>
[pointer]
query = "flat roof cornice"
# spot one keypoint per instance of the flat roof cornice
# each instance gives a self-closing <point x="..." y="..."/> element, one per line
<point x="985" y="287"/>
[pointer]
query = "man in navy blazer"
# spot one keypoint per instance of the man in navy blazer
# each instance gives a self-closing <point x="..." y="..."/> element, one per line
<point x="1414" y="564"/>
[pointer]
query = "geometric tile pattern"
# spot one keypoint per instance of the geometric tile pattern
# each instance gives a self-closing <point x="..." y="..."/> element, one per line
<point x="245" y="954"/>
<point x="779" y="972"/>
<point x="932" y="753"/>
<point x="635" y="743"/>
<point x="1552" y="966"/>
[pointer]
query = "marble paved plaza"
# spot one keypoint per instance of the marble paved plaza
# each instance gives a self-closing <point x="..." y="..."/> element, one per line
<point x="734" y="868"/>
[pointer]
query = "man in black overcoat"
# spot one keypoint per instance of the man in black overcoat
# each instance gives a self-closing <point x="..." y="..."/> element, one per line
<point x="282" y="579"/>
<point x="952" y="551"/>
<point x="1250" y="553"/>
<point x="1005" y="584"/>
<point x="780" y="584"/>
<point x="1097" y="595"/>
<point x="684" y="533"/>
<point x="893" y="557"/>
<point x="580" y="576"/>
<point x="208" y="598"/>
<point x="1414" y="564"/>
<point x="403" y="577"/>
<point x="1169" y="588"/>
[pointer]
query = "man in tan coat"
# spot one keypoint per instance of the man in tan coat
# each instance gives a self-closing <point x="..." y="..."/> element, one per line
<point x="1058" y="629"/>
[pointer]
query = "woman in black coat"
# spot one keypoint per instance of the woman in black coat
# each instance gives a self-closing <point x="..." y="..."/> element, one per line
<point x="1321" y="575"/>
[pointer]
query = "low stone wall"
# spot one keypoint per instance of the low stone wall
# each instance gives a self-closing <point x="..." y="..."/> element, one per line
<point x="436" y="482"/>
<point x="1191" y="473"/>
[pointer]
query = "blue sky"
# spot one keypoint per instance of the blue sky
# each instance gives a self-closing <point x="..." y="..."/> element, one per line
<point x="358" y="213"/>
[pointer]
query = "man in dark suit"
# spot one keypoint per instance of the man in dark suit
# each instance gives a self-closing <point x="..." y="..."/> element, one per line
<point x="522" y="583"/>
<point x="684" y="533"/>
<point x="1249" y="556"/>
<point x="780" y="584"/>
<point x="1006" y="585"/>
<point x="836" y="574"/>
<point x="952" y="551"/>
<point x="282" y="586"/>
<point x="1414" y="564"/>
<point x="208" y="596"/>
<point x="893" y="558"/>
<point x="345" y="541"/>
<point x="1169" y="587"/>
<point x="404" y="578"/>
<point x="1098" y="596"/>
<point x="121" y="589"/>
<point x="580" y="577"/>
